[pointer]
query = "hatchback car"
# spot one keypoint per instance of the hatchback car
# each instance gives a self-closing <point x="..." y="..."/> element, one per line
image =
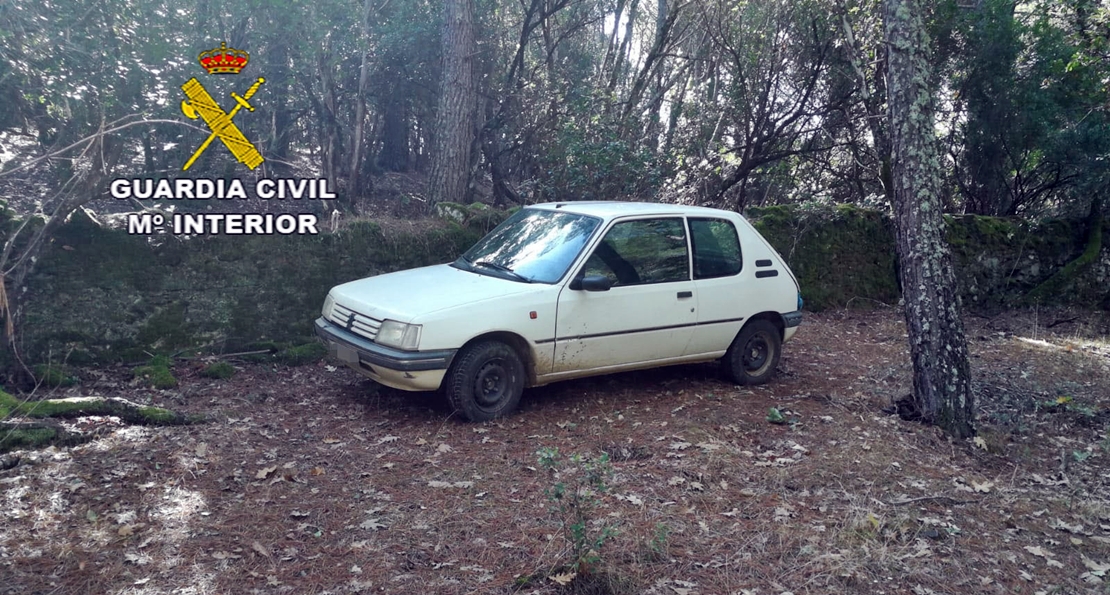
<point x="571" y="289"/>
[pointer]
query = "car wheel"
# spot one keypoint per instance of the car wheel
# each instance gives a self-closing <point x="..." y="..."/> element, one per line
<point x="754" y="353"/>
<point x="485" y="381"/>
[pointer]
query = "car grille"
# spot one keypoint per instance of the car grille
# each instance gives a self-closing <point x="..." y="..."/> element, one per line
<point x="355" y="322"/>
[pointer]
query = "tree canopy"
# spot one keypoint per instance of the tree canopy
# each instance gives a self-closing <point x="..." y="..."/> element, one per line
<point x="724" y="102"/>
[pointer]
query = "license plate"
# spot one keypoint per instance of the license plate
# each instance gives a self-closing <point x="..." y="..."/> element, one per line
<point x="346" y="354"/>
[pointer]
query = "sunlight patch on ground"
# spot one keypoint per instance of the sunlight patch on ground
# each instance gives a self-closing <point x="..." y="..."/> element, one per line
<point x="177" y="510"/>
<point x="1038" y="343"/>
<point x="198" y="583"/>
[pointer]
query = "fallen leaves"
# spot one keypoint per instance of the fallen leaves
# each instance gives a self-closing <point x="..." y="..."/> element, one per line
<point x="563" y="579"/>
<point x="1043" y="553"/>
<point x="261" y="549"/>
<point x="265" y="472"/>
<point x="373" y="524"/>
<point x="982" y="487"/>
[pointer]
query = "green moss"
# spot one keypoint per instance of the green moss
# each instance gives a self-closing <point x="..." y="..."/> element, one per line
<point x="55" y="376"/>
<point x="219" y="370"/>
<point x="61" y="408"/>
<point x="167" y="329"/>
<point x="840" y="255"/>
<point x="1050" y="288"/>
<point x="8" y="405"/>
<point x="303" y="354"/>
<point x="114" y="296"/>
<point x="158" y="416"/>
<point x="157" y="373"/>
<point x="26" y="438"/>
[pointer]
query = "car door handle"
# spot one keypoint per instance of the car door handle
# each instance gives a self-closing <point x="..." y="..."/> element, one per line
<point x="685" y="294"/>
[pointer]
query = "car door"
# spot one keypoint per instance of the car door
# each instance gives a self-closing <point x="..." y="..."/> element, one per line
<point x="649" y="312"/>
<point x="725" y="298"/>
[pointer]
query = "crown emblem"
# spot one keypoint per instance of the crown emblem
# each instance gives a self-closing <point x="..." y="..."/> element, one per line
<point x="223" y="60"/>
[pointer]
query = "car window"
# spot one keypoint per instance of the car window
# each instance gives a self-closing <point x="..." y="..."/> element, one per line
<point x="534" y="244"/>
<point x="716" y="248"/>
<point x="642" y="251"/>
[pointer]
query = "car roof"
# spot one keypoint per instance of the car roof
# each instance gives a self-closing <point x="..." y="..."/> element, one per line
<point x="611" y="209"/>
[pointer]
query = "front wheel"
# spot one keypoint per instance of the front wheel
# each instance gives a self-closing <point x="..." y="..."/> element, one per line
<point x="754" y="353"/>
<point x="485" y="381"/>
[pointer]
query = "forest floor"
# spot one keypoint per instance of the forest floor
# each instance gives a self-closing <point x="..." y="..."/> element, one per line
<point x="307" y="480"/>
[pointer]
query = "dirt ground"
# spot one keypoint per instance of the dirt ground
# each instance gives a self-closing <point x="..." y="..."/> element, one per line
<point x="308" y="480"/>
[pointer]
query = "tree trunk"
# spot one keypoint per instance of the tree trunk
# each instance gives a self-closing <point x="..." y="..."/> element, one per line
<point x="394" y="155"/>
<point x="450" y="173"/>
<point x="360" y="114"/>
<point x="941" y="377"/>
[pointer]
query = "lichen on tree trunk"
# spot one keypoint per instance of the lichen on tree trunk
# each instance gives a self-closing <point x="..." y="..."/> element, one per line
<point x="938" y="348"/>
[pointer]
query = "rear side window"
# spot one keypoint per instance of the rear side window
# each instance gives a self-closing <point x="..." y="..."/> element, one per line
<point x="716" y="248"/>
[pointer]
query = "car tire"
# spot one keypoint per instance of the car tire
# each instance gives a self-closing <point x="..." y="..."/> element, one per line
<point x="754" y="354"/>
<point x="485" y="381"/>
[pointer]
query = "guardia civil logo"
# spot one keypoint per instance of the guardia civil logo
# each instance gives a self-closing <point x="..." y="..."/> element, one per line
<point x="221" y="61"/>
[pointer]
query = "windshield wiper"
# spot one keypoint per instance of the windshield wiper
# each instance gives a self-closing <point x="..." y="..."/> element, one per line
<point x="504" y="269"/>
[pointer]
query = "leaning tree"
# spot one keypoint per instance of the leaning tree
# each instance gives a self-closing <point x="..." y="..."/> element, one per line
<point x="938" y="348"/>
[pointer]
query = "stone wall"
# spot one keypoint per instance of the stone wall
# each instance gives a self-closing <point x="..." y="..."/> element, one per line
<point x="845" y="256"/>
<point x="102" y="295"/>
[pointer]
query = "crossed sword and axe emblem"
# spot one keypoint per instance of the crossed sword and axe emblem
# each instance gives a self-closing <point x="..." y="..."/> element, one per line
<point x="200" y="104"/>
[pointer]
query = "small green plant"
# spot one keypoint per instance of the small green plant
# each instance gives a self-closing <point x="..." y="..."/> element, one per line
<point x="1081" y="455"/>
<point x="1068" y="404"/>
<point x="575" y="496"/>
<point x="775" y="416"/>
<point x="659" y="546"/>
<point x="157" y="372"/>
<point x="219" y="370"/>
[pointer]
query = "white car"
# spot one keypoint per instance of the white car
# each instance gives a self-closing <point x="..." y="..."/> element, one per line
<point x="571" y="289"/>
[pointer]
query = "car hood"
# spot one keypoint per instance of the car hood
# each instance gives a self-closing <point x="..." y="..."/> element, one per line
<point x="406" y="295"/>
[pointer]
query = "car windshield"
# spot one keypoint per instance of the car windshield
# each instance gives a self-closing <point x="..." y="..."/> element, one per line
<point x="532" y="246"/>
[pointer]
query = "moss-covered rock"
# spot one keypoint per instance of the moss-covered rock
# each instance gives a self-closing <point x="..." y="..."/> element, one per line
<point x="157" y="373"/>
<point x="218" y="370"/>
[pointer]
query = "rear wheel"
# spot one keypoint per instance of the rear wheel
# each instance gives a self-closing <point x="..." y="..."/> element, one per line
<point x="754" y="353"/>
<point x="485" y="381"/>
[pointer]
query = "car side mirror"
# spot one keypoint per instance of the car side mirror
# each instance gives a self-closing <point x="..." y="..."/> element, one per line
<point x="591" y="283"/>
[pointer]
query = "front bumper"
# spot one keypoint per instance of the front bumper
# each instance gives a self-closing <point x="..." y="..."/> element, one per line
<point x="406" y="370"/>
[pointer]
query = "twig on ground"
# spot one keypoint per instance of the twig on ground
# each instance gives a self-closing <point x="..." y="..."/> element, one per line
<point x="948" y="499"/>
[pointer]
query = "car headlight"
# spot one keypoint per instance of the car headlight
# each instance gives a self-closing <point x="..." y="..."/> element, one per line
<point x="329" y="303"/>
<point x="399" y="335"/>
